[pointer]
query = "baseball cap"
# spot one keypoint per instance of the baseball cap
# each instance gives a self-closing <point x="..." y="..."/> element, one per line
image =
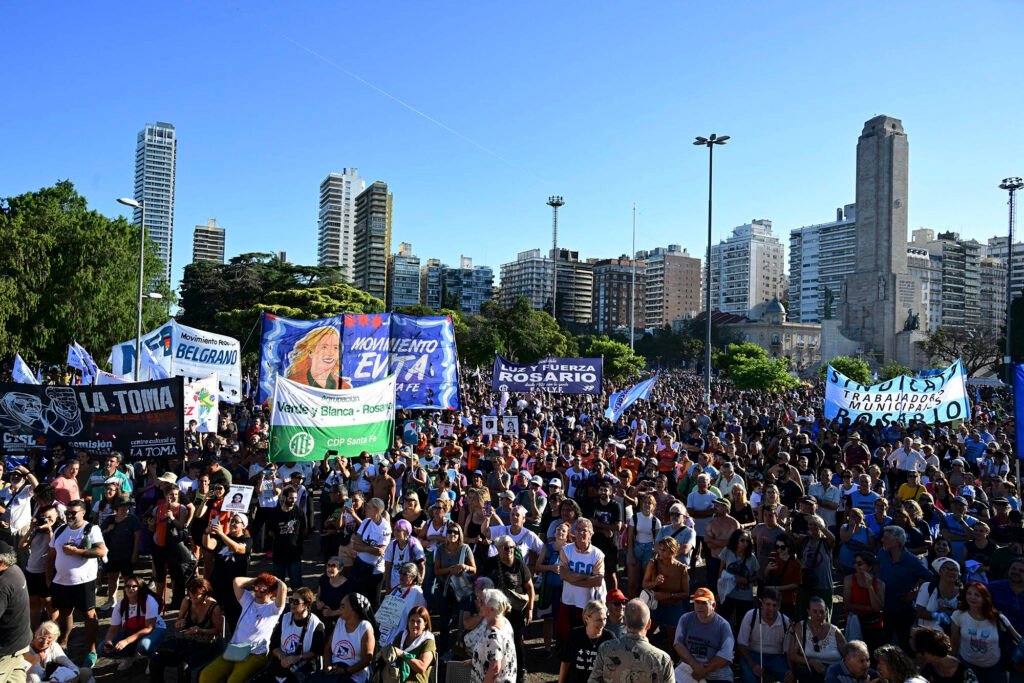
<point x="724" y="501"/>
<point x="942" y="561"/>
<point x="808" y="499"/>
<point x="615" y="596"/>
<point x="703" y="595"/>
<point x="537" y="480"/>
<point x="960" y="499"/>
<point x="967" y="491"/>
<point x="507" y="494"/>
<point x="957" y="461"/>
<point x="556" y="482"/>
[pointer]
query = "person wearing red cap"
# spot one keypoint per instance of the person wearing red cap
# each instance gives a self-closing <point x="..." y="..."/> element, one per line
<point x="616" y="603"/>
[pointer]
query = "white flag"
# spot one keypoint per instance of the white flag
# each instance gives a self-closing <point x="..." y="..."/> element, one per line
<point x="21" y="372"/>
<point x="156" y="371"/>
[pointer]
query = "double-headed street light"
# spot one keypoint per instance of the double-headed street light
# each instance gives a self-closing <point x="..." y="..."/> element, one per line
<point x="1011" y="185"/>
<point x="710" y="143"/>
<point x="141" y="206"/>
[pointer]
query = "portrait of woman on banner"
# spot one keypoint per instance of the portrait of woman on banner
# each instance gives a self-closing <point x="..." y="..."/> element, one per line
<point x="316" y="360"/>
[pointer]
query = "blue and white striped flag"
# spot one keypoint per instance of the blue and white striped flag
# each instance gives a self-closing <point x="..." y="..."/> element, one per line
<point x="149" y="362"/>
<point x="620" y="400"/>
<point x="21" y="373"/>
<point x="80" y="359"/>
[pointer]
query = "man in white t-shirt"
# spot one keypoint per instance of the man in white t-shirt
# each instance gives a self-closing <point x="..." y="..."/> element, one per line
<point x="75" y="551"/>
<point x="529" y="544"/>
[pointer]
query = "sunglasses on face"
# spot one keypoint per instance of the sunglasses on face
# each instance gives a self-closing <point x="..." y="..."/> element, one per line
<point x="295" y="602"/>
<point x="131" y="587"/>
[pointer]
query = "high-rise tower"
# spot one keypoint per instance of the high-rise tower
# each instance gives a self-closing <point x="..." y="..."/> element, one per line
<point x="372" y="240"/>
<point x="337" y="220"/>
<point x="156" y="152"/>
<point x="880" y="298"/>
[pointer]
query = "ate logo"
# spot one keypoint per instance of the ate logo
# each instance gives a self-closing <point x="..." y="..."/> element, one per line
<point x="301" y="444"/>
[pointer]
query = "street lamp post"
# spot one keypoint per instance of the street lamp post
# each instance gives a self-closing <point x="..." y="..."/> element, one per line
<point x="554" y="202"/>
<point x="632" y="285"/>
<point x="142" y="256"/>
<point x="710" y="143"/>
<point x="1011" y="185"/>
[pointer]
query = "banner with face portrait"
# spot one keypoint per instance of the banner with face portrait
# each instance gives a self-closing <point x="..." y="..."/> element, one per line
<point x="303" y="351"/>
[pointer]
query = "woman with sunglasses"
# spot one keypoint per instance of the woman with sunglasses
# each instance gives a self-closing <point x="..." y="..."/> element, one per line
<point x="198" y="628"/>
<point x="136" y="628"/>
<point x="172" y="547"/>
<point x="817" y="644"/>
<point x="330" y="589"/>
<point x="230" y="549"/>
<point x="402" y="549"/>
<point x="738" y="559"/>
<point x="409" y="593"/>
<point x="412" y="512"/>
<point x="262" y="601"/>
<point x="454" y="567"/>
<point x="784" y="572"/>
<point x="297" y="641"/>
<point x="513" y="578"/>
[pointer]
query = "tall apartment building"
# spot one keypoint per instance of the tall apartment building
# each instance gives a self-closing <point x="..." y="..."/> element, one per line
<point x="208" y="242"/>
<point x="403" y="278"/>
<point x="372" y="240"/>
<point x="431" y="284"/>
<point x="992" y="298"/>
<point x="463" y="289"/>
<point x="996" y="248"/>
<point x="156" y="153"/>
<point x="956" y="300"/>
<point x="928" y="273"/>
<point x="747" y="268"/>
<point x="673" y="285"/>
<point x="530" y="276"/>
<point x="820" y="258"/>
<point x="337" y="220"/>
<point x="613" y="283"/>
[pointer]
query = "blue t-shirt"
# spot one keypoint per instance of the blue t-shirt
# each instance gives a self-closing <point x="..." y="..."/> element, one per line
<point x="704" y="642"/>
<point x="900" y="577"/>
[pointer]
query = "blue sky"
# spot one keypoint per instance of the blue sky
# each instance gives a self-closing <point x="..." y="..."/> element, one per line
<point x="596" y="101"/>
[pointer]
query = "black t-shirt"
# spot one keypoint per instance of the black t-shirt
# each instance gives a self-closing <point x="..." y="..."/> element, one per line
<point x="512" y="578"/>
<point x="789" y="493"/>
<point x="579" y="652"/>
<point x="287" y="527"/>
<point x="606" y="514"/>
<point x="15" y="632"/>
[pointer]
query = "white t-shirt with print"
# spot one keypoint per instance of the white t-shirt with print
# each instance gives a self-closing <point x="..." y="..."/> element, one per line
<point x="73" y="570"/>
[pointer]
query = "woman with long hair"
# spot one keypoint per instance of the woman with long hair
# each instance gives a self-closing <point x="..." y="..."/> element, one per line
<point x="669" y="580"/>
<point x="894" y="666"/>
<point x="136" y="627"/>
<point x="642" y="529"/>
<point x="741" y="510"/>
<point x="765" y="535"/>
<point x="940" y="666"/>
<point x="262" y="600"/>
<point x="738" y="559"/>
<point x="975" y="634"/>
<point x="172" y="546"/>
<point x="198" y="632"/>
<point x="412" y="512"/>
<point x="350" y="649"/>
<point x="864" y="597"/>
<point x="771" y="500"/>
<point x="316" y="359"/>
<point x="454" y="567"/>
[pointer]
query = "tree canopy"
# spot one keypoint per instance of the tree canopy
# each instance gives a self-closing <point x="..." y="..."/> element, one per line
<point x="621" y="364"/>
<point x="70" y="273"/>
<point x="855" y="368"/>
<point x="980" y="349"/>
<point x="750" y="368"/>
<point x="518" y="333"/>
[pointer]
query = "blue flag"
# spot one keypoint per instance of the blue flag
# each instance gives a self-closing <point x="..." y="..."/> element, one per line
<point x="150" y="363"/>
<point x="620" y="400"/>
<point x="1018" y="406"/>
<point x="21" y="373"/>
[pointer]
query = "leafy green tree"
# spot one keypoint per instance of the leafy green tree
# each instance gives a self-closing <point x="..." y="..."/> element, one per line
<point x="736" y="355"/>
<point x="68" y="273"/>
<point x="854" y="368"/>
<point x="518" y="333"/>
<point x="209" y="289"/>
<point x="621" y="363"/>
<point x="762" y="373"/>
<point x="892" y="369"/>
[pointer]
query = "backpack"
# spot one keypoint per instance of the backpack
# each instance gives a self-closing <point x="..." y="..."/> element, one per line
<point x="655" y="525"/>
<point x="86" y="530"/>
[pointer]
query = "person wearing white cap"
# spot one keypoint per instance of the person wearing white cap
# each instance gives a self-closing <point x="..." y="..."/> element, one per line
<point x="938" y="599"/>
<point x="535" y="501"/>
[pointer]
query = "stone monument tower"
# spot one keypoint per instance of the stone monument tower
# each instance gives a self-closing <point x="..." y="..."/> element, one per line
<point x="880" y="299"/>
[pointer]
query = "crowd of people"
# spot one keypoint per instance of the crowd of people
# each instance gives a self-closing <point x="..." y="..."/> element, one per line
<point x="749" y="539"/>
